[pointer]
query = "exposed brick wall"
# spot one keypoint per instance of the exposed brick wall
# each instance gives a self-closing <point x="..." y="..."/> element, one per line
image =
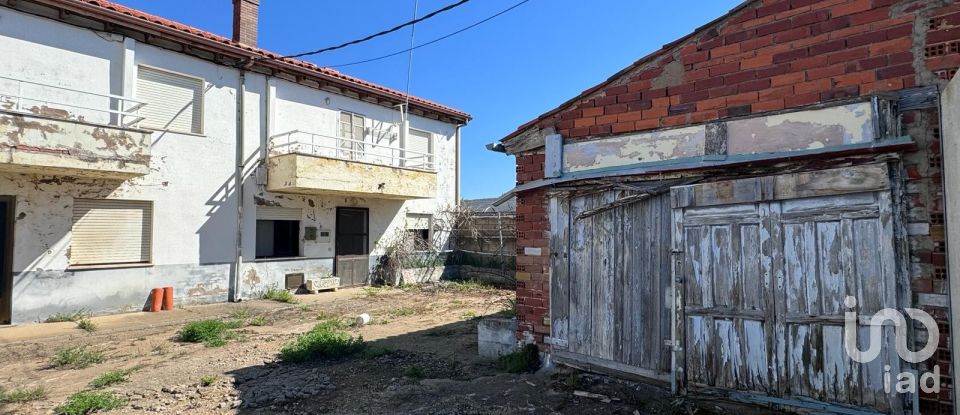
<point x="773" y="55"/>
<point x="245" y="16"/>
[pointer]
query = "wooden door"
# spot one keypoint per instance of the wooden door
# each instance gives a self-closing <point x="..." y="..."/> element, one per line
<point x="610" y="278"/>
<point x="763" y="285"/>
<point x="7" y="214"/>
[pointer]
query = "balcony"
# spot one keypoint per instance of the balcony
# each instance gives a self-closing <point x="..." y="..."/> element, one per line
<point x="50" y="130"/>
<point x="309" y="163"/>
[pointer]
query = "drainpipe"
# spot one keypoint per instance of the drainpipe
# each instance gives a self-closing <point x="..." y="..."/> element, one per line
<point x="456" y="184"/>
<point x="234" y="295"/>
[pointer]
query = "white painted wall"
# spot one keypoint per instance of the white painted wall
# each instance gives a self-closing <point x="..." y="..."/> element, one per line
<point x="191" y="178"/>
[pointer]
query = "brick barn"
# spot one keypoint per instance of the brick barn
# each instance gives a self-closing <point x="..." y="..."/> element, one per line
<point x="711" y="214"/>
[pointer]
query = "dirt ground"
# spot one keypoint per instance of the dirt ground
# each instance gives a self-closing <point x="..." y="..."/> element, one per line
<point x="421" y="358"/>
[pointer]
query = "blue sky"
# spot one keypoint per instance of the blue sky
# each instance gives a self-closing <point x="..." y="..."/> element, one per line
<point x="504" y="72"/>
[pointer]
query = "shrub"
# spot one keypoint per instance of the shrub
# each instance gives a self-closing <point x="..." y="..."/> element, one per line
<point x="325" y="340"/>
<point x="110" y="378"/>
<point x="86" y="325"/>
<point x="85" y="402"/>
<point x="21" y="395"/>
<point x="526" y="359"/>
<point x="75" y="358"/>
<point x="212" y="333"/>
<point x="207" y="380"/>
<point x="281" y="295"/>
<point x="65" y="317"/>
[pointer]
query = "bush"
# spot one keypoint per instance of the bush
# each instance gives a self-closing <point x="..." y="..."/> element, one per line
<point x="21" y="395"/>
<point x="85" y="402"/>
<point x="110" y="378"/>
<point x="86" y="325"/>
<point x="66" y="317"/>
<point x="212" y="333"/>
<point x="75" y="358"/>
<point x="325" y="340"/>
<point x="526" y="359"/>
<point x="281" y="295"/>
<point x="207" y="380"/>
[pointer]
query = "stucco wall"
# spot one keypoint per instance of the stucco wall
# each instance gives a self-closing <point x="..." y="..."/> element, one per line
<point x="190" y="178"/>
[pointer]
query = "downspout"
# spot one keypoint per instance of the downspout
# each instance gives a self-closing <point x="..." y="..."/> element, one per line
<point x="238" y="186"/>
<point x="456" y="184"/>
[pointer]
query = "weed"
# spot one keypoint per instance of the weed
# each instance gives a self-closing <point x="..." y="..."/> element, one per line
<point x="207" y="380"/>
<point x="260" y="320"/>
<point x="75" y="358"/>
<point x="402" y="312"/>
<point x="281" y="295"/>
<point x="467" y="315"/>
<point x="67" y="317"/>
<point x="526" y="359"/>
<point x="376" y="291"/>
<point x="212" y="333"/>
<point x="468" y="286"/>
<point x="303" y="308"/>
<point x="110" y="378"/>
<point x="384" y="321"/>
<point x="141" y="338"/>
<point x="85" y="402"/>
<point x="511" y="309"/>
<point x="415" y="372"/>
<point x="240" y="313"/>
<point x="160" y="348"/>
<point x="456" y="302"/>
<point x="87" y="325"/>
<point x="21" y="395"/>
<point x="325" y="340"/>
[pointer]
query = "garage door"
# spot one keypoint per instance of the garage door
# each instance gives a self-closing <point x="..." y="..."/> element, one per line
<point x="764" y="267"/>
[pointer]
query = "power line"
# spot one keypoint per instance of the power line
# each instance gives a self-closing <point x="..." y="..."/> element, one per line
<point x="432" y="41"/>
<point x="378" y="34"/>
<point x="413" y="30"/>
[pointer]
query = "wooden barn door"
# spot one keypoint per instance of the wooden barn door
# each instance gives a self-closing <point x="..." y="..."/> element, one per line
<point x="763" y="285"/>
<point x="610" y="276"/>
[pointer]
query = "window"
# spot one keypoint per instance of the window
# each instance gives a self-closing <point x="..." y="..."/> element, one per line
<point x="420" y="149"/>
<point x="174" y="101"/>
<point x="111" y="231"/>
<point x="351" y="128"/>
<point x="278" y="232"/>
<point x="418" y="230"/>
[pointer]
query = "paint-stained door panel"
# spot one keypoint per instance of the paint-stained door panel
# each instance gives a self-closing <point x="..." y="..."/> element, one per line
<point x="610" y="278"/>
<point x="763" y="288"/>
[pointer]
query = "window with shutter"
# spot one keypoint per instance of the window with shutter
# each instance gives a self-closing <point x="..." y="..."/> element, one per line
<point x="420" y="149"/>
<point x="174" y="101"/>
<point x="111" y="231"/>
<point x="352" y="129"/>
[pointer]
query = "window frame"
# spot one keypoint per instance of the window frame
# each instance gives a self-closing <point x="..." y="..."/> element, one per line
<point x="200" y="104"/>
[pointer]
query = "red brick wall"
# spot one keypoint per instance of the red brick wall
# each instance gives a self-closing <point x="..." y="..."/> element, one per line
<point x="772" y="55"/>
<point x="245" y="16"/>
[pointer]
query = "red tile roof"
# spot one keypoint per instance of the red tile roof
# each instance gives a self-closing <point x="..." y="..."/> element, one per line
<point x="326" y="73"/>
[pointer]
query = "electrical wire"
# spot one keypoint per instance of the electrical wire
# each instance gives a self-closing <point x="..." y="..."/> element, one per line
<point x="381" y="33"/>
<point x="432" y="41"/>
<point x="413" y="30"/>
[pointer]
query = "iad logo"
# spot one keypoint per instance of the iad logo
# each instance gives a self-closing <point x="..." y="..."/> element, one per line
<point x="906" y="381"/>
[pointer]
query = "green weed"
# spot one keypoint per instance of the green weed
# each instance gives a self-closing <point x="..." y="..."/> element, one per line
<point x="212" y="333"/>
<point x="281" y="295"/>
<point x="82" y="403"/>
<point x="110" y="378"/>
<point x="86" y="325"/>
<point x="526" y="359"/>
<point x="207" y="380"/>
<point x="415" y="372"/>
<point x="325" y="340"/>
<point x="65" y="317"/>
<point x="21" y="395"/>
<point x="75" y="358"/>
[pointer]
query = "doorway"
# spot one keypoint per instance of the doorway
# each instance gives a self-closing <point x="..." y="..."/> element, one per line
<point x="352" y="246"/>
<point x="7" y="211"/>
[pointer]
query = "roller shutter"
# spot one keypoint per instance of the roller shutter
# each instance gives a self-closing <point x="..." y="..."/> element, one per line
<point x="278" y="213"/>
<point x="174" y="101"/>
<point x="110" y="231"/>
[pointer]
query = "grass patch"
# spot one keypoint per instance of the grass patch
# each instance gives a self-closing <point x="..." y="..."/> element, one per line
<point x="260" y="320"/>
<point x="85" y="402"/>
<point x="325" y="340"/>
<point x="67" y="317"/>
<point x="86" y="325"/>
<point x="207" y="380"/>
<point x="375" y="291"/>
<point x="75" y="358"/>
<point x="402" y="312"/>
<point x="280" y="295"/>
<point x="524" y="360"/>
<point x="21" y="395"/>
<point x="415" y="372"/>
<point x="468" y="286"/>
<point x="241" y="313"/>
<point x="212" y="333"/>
<point x="110" y="378"/>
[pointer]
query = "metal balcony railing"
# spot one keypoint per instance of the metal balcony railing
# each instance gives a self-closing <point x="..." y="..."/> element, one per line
<point x="37" y="98"/>
<point x="321" y="145"/>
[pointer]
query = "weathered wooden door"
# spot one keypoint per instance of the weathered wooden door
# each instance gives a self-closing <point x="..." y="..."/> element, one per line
<point x="610" y="276"/>
<point x="763" y="285"/>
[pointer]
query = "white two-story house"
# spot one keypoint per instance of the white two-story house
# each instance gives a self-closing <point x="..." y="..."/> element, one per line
<point x="137" y="152"/>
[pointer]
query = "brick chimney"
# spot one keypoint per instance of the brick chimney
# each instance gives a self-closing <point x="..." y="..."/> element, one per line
<point x="245" y="21"/>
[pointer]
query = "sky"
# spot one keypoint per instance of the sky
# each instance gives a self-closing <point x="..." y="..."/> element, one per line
<point x="504" y="72"/>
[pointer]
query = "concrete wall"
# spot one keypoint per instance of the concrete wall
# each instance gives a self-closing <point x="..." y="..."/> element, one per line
<point x="190" y="178"/>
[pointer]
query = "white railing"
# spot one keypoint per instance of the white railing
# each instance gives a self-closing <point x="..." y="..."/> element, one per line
<point x="36" y="98"/>
<point x="321" y="145"/>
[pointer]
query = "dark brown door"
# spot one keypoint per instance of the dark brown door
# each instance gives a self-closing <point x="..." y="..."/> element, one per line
<point x="7" y="208"/>
<point x="352" y="246"/>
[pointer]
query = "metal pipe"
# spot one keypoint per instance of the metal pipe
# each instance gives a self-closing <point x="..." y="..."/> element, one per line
<point x="456" y="183"/>
<point x="234" y="292"/>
